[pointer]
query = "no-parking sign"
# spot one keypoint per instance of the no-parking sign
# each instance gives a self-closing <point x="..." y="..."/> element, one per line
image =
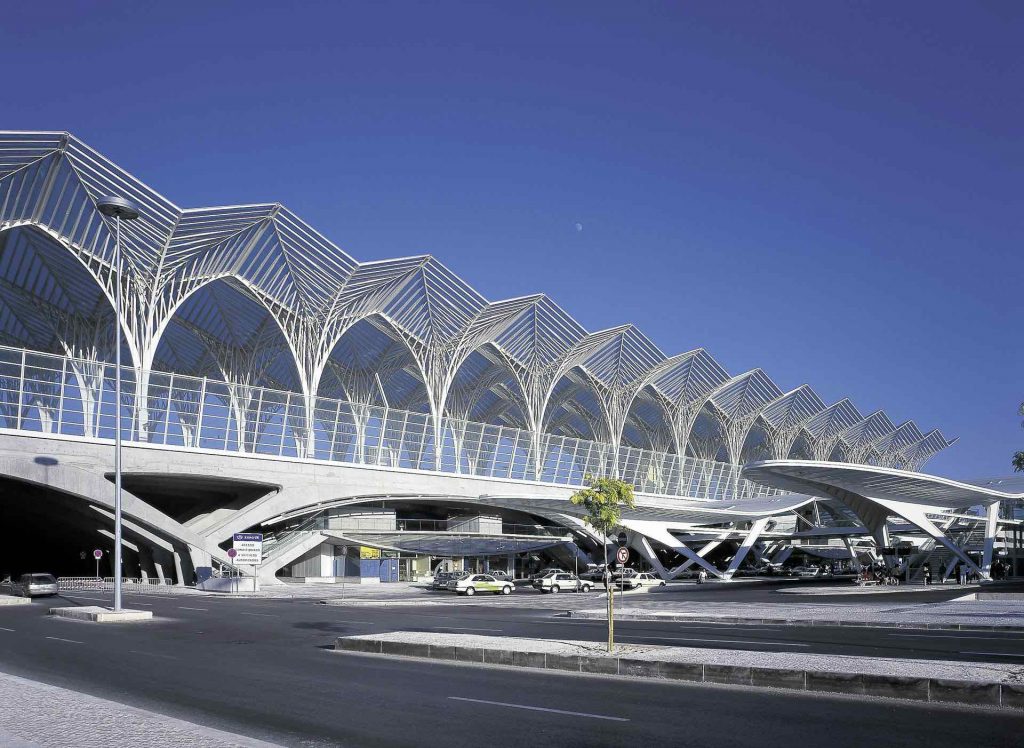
<point x="622" y="555"/>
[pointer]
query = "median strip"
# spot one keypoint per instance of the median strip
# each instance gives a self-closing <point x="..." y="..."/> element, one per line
<point x="991" y="684"/>
<point x="634" y="615"/>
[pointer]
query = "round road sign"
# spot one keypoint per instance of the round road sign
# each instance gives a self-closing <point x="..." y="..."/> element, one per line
<point x="97" y="554"/>
<point x="622" y="555"/>
<point x="232" y="553"/>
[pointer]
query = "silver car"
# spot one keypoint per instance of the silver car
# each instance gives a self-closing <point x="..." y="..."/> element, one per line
<point x="35" y="585"/>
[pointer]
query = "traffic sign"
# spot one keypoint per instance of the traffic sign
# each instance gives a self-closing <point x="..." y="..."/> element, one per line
<point x="232" y="553"/>
<point x="249" y="547"/>
<point x="622" y="539"/>
<point x="97" y="554"/>
<point x="622" y="555"/>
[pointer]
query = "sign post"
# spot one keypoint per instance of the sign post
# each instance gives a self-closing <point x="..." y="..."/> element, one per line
<point x="249" y="549"/>
<point x="97" y="554"/>
<point x="344" y="569"/>
<point x="621" y="556"/>
<point x="234" y="569"/>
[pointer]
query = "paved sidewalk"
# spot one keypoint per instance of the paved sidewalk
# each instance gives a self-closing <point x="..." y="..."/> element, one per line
<point x="39" y="715"/>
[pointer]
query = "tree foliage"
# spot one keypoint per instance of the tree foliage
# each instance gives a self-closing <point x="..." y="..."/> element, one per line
<point x="603" y="500"/>
<point x="1018" y="458"/>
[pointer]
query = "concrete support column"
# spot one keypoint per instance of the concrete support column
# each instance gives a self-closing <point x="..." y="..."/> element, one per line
<point x="991" y="527"/>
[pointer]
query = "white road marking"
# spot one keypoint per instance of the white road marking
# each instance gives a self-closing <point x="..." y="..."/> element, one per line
<point x="153" y="654"/>
<point x="992" y="654"/>
<point x="265" y="615"/>
<point x="182" y="607"/>
<point x="540" y="709"/>
<point x="462" y="628"/>
<point x="69" y="641"/>
<point x="953" y="636"/>
<point x="723" y="641"/>
<point x="81" y="597"/>
<point x="339" y="620"/>
<point x="5" y="629"/>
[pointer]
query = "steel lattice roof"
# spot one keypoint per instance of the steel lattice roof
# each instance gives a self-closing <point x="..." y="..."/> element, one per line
<point x="254" y="294"/>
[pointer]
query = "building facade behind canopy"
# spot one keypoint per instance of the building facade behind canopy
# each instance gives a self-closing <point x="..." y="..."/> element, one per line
<point x="250" y="333"/>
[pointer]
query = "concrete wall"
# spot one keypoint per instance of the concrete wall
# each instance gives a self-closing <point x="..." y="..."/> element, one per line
<point x="346" y="518"/>
<point x="475" y="523"/>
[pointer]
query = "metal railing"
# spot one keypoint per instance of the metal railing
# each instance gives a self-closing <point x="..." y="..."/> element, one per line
<point x="48" y="393"/>
<point x="106" y="584"/>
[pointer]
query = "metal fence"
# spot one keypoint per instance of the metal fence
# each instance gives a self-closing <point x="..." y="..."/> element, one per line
<point x="54" y="394"/>
<point x="106" y="584"/>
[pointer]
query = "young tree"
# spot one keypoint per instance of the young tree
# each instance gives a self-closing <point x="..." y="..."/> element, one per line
<point x="603" y="500"/>
<point x="1018" y="458"/>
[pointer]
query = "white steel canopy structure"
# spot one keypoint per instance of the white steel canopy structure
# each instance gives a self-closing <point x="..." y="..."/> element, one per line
<point x="254" y="299"/>
<point x="876" y="494"/>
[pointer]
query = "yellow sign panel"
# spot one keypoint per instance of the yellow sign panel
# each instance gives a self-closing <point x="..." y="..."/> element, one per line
<point x="365" y="552"/>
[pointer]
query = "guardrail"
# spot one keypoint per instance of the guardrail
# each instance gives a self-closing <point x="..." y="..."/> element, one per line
<point x="49" y="393"/>
<point x="106" y="584"/>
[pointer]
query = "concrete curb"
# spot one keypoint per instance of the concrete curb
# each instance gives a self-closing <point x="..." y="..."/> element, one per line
<point x="933" y="690"/>
<point x="10" y="600"/>
<point x="95" y="614"/>
<point x="814" y="622"/>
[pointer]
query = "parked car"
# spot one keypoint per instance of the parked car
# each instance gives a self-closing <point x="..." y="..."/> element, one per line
<point x="644" y="579"/>
<point x="561" y="581"/>
<point x="35" y="585"/>
<point x="501" y="576"/>
<point x="623" y="574"/>
<point x="806" y="571"/>
<point x="442" y="578"/>
<point x="544" y="572"/>
<point x="595" y="574"/>
<point x="470" y="584"/>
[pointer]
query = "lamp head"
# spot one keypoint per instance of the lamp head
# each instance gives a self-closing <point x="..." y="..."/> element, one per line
<point x="118" y="207"/>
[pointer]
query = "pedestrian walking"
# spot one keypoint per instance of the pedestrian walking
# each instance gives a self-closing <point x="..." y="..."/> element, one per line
<point x="702" y="576"/>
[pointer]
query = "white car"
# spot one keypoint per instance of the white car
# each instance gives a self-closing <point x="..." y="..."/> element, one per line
<point x="561" y="581"/>
<point x="643" y="579"/>
<point x="647" y="579"/>
<point x="470" y="584"/>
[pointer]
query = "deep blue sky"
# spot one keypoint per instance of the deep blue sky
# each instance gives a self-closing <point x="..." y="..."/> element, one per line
<point x="830" y="191"/>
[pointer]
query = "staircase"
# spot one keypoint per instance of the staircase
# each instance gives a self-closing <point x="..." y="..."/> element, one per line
<point x="284" y="547"/>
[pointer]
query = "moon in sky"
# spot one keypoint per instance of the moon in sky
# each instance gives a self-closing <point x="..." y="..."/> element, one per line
<point x="579" y="227"/>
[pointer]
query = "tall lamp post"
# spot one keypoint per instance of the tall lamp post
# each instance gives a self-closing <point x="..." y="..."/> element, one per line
<point x="120" y="210"/>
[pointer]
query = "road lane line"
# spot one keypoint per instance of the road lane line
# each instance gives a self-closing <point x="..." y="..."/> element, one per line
<point x="265" y="615"/>
<point x="69" y="641"/>
<point x="5" y="629"/>
<point x="722" y="641"/>
<point x="153" y="654"/>
<point x="182" y="607"/>
<point x="953" y="636"/>
<point x="992" y="654"/>
<point x="465" y="628"/>
<point x="367" y="623"/>
<point x="540" y="709"/>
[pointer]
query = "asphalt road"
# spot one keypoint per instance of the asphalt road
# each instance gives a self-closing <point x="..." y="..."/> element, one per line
<point x="264" y="668"/>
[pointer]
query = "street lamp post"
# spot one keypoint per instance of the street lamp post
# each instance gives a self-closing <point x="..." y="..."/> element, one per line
<point x="119" y="209"/>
